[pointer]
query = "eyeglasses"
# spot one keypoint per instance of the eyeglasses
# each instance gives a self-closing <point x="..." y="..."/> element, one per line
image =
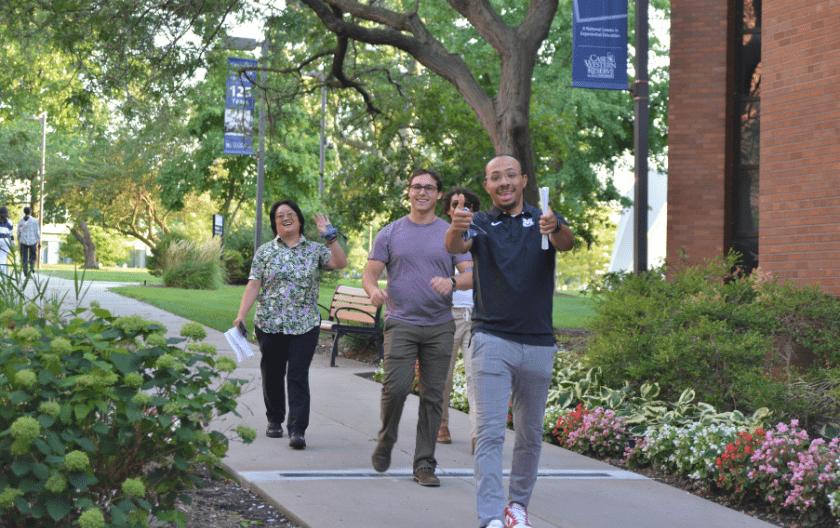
<point x="428" y="188"/>
<point x="496" y="178"/>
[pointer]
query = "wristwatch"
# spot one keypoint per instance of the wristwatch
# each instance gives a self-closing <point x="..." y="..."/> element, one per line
<point x="559" y="226"/>
<point x="454" y="284"/>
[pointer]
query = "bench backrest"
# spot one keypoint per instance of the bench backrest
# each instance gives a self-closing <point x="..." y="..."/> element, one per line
<point x="349" y="297"/>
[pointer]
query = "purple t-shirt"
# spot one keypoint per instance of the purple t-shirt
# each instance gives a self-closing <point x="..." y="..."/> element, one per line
<point x="413" y="255"/>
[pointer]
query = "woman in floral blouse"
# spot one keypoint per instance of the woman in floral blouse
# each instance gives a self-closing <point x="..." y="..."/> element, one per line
<point x="284" y="281"/>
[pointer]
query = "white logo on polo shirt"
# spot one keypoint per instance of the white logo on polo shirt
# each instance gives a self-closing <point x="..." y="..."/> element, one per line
<point x="495" y="223"/>
<point x="527" y="222"/>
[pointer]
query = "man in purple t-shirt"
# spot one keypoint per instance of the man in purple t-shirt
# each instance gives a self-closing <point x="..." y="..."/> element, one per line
<point x="419" y="327"/>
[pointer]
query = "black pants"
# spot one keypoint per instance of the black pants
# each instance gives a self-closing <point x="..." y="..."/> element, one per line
<point x="285" y="358"/>
<point x="27" y="256"/>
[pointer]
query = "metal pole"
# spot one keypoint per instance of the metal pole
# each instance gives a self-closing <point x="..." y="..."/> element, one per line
<point x="640" y="140"/>
<point x="323" y="139"/>
<point x="321" y="77"/>
<point x="43" y="119"/>
<point x="260" y="163"/>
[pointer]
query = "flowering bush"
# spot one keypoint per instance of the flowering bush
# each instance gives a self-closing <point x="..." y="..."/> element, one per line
<point x="592" y="432"/>
<point x="691" y="451"/>
<point x="734" y="463"/>
<point x="102" y="419"/>
<point x="789" y="470"/>
<point x="568" y="422"/>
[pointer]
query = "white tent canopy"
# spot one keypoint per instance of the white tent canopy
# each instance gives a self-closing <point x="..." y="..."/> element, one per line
<point x="622" y="254"/>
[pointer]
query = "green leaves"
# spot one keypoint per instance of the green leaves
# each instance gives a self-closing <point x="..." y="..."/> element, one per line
<point x="58" y="507"/>
<point x="79" y="443"/>
<point x="573" y="384"/>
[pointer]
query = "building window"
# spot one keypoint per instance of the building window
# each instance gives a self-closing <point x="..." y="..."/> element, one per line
<point x="747" y="119"/>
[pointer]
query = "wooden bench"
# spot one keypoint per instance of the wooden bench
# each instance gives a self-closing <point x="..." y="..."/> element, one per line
<point x="352" y="313"/>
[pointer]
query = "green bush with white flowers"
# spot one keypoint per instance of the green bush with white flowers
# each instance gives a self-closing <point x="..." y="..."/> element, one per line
<point x="102" y="418"/>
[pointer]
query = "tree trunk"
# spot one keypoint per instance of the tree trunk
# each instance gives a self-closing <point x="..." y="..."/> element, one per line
<point x="87" y="244"/>
<point x="504" y="117"/>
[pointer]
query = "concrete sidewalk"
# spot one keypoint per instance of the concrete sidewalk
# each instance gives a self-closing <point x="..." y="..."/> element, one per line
<point x="331" y="483"/>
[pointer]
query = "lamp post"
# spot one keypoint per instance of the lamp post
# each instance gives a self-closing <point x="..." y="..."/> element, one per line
<point x="640" y="141"/>
<point x="43" y="119"/>
<point x="320" y="76"/>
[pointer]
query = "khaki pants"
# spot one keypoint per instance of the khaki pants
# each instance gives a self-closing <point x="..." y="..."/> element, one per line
<point x="428" y="347"/>
<point x="462" y="342"/>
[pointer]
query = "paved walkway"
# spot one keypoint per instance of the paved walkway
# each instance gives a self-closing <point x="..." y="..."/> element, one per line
<point x="331" y="483"/>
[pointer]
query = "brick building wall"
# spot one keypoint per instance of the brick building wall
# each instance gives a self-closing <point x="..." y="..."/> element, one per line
<point x="699" y="153"/>
<point x="799" y="222"/>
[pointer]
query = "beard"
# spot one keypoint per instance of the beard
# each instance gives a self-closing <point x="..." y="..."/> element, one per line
<point x="509" y="206"/>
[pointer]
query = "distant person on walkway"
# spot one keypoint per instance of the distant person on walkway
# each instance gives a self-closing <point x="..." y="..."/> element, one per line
<point x="462" y="304"/>
<point x="513" y="340"/>
<point x="419" y="327"/>
<point x="29" y="233"/>
<point x="7" y="238"/>
<point x="284" y="281"/>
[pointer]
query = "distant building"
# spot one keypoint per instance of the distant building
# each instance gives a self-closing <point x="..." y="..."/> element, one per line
<point x="754" y="135"/>
<point x="54" y="235"/>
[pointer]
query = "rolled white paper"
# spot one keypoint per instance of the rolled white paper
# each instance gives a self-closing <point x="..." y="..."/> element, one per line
<point x="544" y="206"/>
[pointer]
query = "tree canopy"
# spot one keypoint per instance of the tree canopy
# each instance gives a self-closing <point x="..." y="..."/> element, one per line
<point x="444" y="85"/>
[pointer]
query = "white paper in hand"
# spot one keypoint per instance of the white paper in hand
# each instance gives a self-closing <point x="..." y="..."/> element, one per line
<point x="239" y="344"/>
<point x="544" y="206"/>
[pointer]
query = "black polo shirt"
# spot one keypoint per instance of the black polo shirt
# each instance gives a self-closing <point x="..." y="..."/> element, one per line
<point x="513" y="277"/>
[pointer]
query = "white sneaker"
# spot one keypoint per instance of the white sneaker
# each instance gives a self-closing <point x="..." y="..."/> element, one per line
<point x="495" y="523"/>
<point x="516" y="516"/>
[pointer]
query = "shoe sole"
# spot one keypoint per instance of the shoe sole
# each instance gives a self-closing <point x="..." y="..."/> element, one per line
<point x="301" y="445"/>
<point x="444" y="441"/>
<point x="427" y="484"/>
<point x="274" y="435"/>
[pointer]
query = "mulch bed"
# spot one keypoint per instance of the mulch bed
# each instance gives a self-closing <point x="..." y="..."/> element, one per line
<point x="223" y="503"/>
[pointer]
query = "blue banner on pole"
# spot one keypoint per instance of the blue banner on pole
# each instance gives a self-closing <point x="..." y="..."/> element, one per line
<point x="599" y="44"/>
<point x="239" y="107"/>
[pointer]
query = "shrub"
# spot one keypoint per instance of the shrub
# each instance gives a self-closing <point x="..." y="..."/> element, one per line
<point x="102" y="422"/>
<point x="235" y="268"/>
<point x="719" y="332"/>
<point x="193" y="266"/>
<point x="240" y="239"/>
<point x="155" y="261"/>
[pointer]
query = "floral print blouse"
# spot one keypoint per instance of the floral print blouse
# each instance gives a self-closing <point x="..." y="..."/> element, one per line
<point x="288" y="299"/>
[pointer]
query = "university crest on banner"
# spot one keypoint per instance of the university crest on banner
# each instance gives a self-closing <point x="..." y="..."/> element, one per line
<point x="599" y="44"/>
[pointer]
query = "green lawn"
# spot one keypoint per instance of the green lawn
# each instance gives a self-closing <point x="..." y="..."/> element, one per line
<point x="571" y="310"/>
<point x="214" y="308"/>
<point x="217" y="309"/>
<point x="67" y="271"/>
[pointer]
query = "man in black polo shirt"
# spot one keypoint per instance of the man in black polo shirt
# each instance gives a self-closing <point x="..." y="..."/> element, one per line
<point x="513" y="339"/>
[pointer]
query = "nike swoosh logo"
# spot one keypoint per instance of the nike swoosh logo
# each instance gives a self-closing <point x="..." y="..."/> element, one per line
<point x="495" y="223"/>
